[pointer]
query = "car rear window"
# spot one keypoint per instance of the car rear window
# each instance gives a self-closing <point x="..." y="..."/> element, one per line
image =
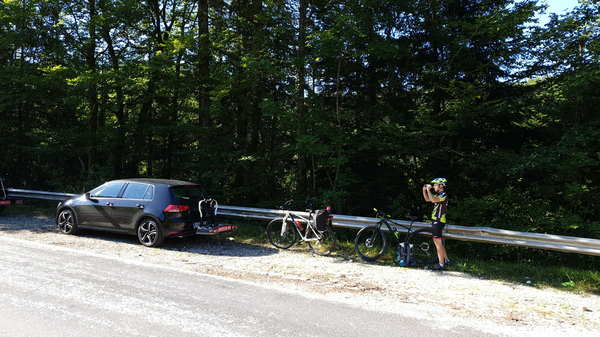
<point x="149" y="193"/>
<point x="189" y="192"/>
<point x="135" y="191"/>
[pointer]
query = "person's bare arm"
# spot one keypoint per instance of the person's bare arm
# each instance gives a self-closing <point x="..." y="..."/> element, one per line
<point x="425" y="193"/>
<point x="430" y="197"/>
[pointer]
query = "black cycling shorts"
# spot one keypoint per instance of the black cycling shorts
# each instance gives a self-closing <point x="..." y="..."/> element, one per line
<point x="436" y="229"/>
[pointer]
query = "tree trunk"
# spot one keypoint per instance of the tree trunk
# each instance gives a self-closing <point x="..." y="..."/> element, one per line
<point x="120" y="112"/>
<point x="300" y="86"/>
<point x="92" y="95"/>
<point x="256" y="94"/>
<point x="204" y="53"/>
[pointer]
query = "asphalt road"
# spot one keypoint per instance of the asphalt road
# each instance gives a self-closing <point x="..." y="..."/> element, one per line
<point x="53" y="291"/>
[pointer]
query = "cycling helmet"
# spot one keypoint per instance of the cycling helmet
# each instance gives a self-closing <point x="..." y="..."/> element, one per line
<point x="442" y="181"/>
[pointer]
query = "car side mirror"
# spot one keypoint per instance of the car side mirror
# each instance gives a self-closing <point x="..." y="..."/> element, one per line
<point x="88" y="197"/>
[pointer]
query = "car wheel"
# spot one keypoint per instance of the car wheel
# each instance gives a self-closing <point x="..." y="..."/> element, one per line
<point x="66" y="222"/>
<point x="149" y="233"/>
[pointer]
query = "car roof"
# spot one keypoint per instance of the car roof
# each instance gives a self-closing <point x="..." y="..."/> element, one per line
<point x="169" y="182"/>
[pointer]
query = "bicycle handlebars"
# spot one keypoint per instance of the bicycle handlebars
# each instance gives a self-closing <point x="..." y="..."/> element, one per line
<point x="380" y="214"/>
<point x="383" y="215"/>
<point x="309" y="203"/>
<point x="286" y="205"/>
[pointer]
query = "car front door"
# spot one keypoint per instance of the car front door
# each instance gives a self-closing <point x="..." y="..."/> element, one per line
<point x="96" y="210"/>
<point x="130" y="207"/>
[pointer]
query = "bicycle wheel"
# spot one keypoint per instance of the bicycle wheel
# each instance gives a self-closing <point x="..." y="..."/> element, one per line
<point x="281" y="234"/>
<point x="424" y="250"/>
<point x="370" y="243"/>
<point x="326" y="240"/>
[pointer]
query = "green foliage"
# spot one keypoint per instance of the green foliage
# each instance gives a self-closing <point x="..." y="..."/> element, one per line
<point x="354" y="104"/>
<point x="585" y="279"/>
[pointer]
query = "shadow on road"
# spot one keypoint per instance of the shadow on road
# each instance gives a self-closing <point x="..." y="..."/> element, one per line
<point x="219" y="245"/>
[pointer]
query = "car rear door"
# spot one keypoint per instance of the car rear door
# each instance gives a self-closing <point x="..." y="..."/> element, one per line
<point x="189" y="195"/>
<point x="130" y="207"/>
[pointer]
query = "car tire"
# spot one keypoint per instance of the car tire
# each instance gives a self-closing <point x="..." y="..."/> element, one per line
<point x="149" y="233"/>
<point x="66" y="221"/>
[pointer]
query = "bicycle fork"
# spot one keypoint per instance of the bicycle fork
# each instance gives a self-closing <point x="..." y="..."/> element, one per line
<point x="284" y="226"/>
<point x="373" y="238"/>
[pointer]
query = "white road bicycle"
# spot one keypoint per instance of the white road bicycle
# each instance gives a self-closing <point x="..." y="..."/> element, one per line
<point x="317" y="230"/>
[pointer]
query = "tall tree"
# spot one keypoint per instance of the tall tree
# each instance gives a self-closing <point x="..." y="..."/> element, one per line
<point x="89" y="50"/>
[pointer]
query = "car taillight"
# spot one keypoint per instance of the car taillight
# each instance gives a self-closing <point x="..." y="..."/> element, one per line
<point x="176" y="208"/>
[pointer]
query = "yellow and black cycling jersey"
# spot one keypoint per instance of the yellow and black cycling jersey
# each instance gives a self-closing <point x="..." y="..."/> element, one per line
<point x="439" y="211"/>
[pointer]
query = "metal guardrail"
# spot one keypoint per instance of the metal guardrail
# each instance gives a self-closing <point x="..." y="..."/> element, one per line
<point x="567" y="244"/>
<point x="40" y="194"/>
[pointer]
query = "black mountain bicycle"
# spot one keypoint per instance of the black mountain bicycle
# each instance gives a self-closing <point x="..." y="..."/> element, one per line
<point x="371" y="242"/>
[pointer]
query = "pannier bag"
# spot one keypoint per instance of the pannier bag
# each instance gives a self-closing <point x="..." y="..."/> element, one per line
<point x="320" y="218"/>
<point x="404" y="255"/>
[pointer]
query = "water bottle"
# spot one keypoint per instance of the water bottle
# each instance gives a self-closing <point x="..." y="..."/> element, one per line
<point x="396" y="233"/>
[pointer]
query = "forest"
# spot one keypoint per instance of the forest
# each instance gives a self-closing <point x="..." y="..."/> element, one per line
<point x="352" y="103"/>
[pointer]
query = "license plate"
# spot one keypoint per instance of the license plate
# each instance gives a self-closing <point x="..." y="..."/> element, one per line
<point x="226" y="228"/>
<point x="221" y="229"/>
<point x="215" y="230"/>
<point x="4" y="202"/>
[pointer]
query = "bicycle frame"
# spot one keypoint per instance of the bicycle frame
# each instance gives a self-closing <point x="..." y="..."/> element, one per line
<point x="309" y="226"/>
<point x="393" y="230"/>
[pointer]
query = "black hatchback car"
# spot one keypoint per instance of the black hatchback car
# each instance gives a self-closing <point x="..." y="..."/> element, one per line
<point x="152" y="209"/>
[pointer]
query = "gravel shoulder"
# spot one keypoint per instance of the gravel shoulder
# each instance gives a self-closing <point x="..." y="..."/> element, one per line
<point x="460" y="300"/>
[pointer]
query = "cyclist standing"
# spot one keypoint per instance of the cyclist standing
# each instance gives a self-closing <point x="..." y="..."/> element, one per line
<point x="440" y="199"/>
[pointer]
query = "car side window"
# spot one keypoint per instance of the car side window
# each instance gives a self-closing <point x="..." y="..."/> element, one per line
<point x="108" y="191"/>
<point x="149" y="193"/>
<point x="135" y="191"/>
